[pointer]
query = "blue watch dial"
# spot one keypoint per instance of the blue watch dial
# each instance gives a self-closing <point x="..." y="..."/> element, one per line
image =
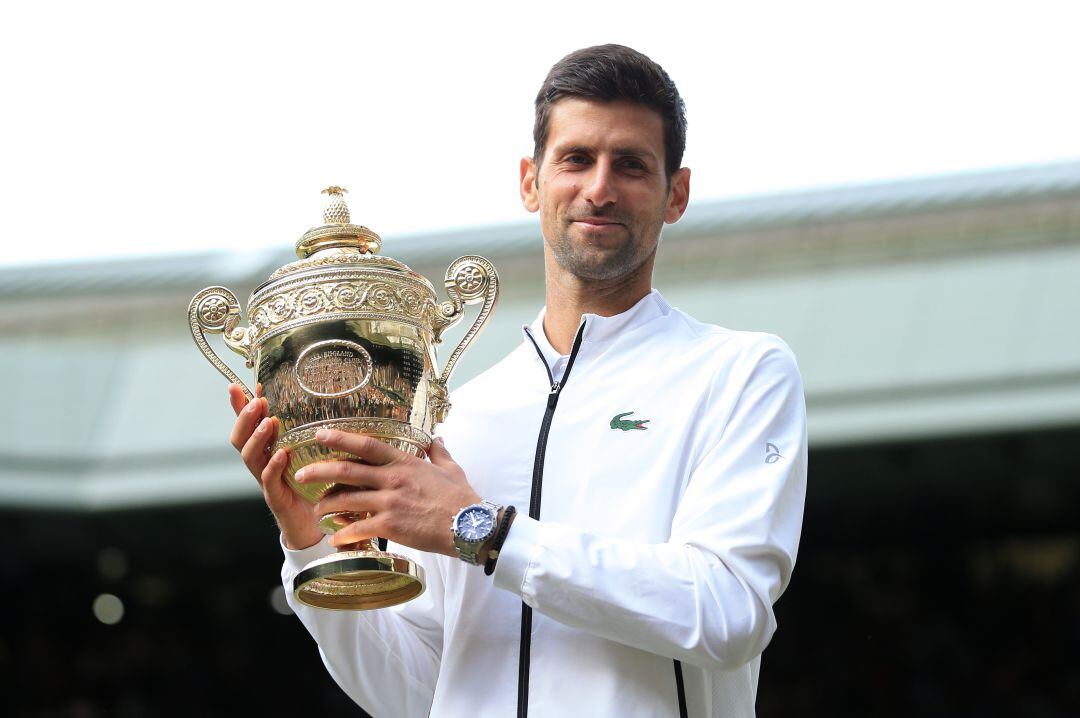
<point x="475" y="525"/>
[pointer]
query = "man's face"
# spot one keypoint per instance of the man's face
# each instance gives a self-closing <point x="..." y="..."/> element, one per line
<point x="601" y="188"/>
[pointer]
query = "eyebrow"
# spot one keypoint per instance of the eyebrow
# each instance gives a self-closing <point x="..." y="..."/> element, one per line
<point x="632" y="152"/>
<point x="626" y="151"/>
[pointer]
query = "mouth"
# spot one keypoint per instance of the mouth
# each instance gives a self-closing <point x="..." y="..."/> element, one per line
<point x="597" y="222"/>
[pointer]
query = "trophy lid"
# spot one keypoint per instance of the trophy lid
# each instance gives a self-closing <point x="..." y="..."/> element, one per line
<point x="338" y="242"/>
<point x="337" y="232"/>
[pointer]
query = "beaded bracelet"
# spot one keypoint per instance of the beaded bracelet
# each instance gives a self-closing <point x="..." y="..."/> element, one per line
<point x="500" y="537"/>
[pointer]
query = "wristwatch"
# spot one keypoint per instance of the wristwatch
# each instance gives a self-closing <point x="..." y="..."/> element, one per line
<point x="472" y="526"/>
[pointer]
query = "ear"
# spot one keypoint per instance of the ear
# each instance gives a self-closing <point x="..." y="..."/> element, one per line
<point x="678" y="195"/>
<point x="529" y="197"/>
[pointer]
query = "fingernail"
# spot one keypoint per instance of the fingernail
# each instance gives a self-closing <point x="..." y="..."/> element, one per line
<point x="300" y="474"/>
<point x="441" y="442"/>
<point x="252" y="406"/>
<point x="322" y="435"/>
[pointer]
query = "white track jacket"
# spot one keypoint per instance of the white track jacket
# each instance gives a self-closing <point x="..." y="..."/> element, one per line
<point x="672" y="498"/>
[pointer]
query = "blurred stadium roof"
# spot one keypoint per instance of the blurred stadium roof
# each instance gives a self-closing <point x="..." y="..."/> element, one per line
<point x="920" y="308"/>
<point x="706" y="219"/>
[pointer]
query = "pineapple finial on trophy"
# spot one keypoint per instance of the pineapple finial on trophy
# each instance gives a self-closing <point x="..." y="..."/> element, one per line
<point x="337" y="232"/>
<point x="336" y="212"/>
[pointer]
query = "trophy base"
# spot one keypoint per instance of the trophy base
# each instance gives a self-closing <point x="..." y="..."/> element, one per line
<point x="359" y="581"/>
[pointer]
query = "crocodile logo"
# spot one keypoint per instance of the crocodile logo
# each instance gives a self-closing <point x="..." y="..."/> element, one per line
<point x="618" y="422"/>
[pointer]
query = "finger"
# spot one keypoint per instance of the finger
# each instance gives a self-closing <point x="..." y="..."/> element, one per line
<point x="237" y="398"/>
<point x="358" y="530"/>
<point x="255" y="453"/>
<point x="350" y="473"/>
<point x="258" y="389"/>
<point x="368" y="448"/>
<point x="352" y="500"/>
<point x="246" y="422"/>
<point x="270" y="478"/>
<point x="439" y="455"/>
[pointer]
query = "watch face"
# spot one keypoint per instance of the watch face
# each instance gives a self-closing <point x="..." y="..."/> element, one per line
<point x="475" y="524"/>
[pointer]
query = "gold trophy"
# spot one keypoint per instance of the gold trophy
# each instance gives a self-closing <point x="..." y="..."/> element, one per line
<point x="344" y="338"/>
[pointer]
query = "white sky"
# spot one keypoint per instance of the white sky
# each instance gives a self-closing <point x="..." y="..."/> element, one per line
<point x="131" y="128"/>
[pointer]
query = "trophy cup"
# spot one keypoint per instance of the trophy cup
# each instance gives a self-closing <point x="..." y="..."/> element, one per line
<point x="345" y="338"/>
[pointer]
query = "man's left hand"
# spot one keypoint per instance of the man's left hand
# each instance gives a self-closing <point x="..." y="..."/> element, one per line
<point x="411" y="501"/>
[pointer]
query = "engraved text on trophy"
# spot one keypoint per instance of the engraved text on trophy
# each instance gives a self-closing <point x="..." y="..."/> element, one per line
<point x="333" y="368"/>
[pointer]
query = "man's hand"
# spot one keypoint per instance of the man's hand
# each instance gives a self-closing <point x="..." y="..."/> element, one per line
<point x="253" y="434"/>
<point x="411" y="501"/>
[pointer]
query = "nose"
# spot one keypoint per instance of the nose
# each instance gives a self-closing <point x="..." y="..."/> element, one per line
<point x="600" y="189"/>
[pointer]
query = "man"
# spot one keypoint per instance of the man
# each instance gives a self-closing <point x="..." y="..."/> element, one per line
<point x="653" y="531"/>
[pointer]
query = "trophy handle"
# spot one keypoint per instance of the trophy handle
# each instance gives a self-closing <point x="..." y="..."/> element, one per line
<point x="215" y="310"/>
<point x="469" y="279"/>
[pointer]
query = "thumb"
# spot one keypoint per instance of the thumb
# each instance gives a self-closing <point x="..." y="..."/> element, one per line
<point x="438" y="455"/>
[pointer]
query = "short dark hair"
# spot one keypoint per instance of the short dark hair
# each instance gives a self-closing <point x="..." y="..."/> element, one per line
<point x="609" y="73"/>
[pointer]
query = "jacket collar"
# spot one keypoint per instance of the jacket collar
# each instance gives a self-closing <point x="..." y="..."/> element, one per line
<point x="600" y="329"/>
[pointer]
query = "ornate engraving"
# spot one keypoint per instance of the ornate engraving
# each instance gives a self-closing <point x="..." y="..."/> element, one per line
<point x="361" y="261"/>
<point x="347" y="296"/>
<point x="216" y="310"/>
<point x="311" y="301"/>
<point x="469" y="279"/>
<point x="379" y="428"/>
<point x="334" y="367"/>
<point x="382" y="297"/>
<point x="438" y="401"/>
<point x="411" y="301"/>
<point x="212" y="311"/>
<point x="296" y="302"/>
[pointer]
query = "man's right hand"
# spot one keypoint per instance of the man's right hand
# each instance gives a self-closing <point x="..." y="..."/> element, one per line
<point x="252" y="435"/>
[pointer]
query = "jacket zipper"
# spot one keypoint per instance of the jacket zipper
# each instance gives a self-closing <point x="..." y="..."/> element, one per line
<point x="534" y="506"/>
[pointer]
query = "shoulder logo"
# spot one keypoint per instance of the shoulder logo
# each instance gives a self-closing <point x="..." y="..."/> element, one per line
<point x="620" y="422"/>
<point x="772" y="454"/>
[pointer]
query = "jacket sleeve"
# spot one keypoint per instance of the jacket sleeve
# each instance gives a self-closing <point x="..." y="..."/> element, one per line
<point x="385" y="660"/>
<point x="706" y="595"/>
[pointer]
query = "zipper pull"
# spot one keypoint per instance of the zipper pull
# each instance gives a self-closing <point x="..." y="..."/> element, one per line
<point x="555" y="388"/>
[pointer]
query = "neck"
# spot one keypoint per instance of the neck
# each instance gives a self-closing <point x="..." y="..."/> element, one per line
<point x="568" y="297"/>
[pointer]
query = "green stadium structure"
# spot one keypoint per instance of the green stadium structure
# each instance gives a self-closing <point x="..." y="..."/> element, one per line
<point x="917" y="309"/>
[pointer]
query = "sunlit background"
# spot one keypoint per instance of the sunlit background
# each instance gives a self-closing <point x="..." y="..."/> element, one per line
<point x="892" y="188"/>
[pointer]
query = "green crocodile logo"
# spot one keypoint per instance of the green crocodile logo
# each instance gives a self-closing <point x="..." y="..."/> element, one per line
<point x="618" y="422"/>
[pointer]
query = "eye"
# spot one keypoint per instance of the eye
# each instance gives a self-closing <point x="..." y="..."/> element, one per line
<point x="577" y="159"/>
<point x="633" y="164"/>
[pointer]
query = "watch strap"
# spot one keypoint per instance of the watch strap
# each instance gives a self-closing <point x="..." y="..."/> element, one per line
<point x="500" y="538"/>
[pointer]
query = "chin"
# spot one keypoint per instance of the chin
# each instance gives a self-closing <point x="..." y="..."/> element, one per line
<point x="598" y="266"/>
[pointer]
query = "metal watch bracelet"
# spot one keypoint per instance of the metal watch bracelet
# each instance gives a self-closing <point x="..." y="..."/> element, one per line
<point x="468" y="551"/>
